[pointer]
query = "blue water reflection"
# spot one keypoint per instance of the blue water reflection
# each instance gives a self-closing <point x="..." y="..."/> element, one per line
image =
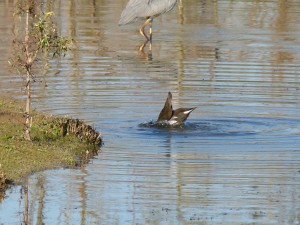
<point x="235" y="161"/>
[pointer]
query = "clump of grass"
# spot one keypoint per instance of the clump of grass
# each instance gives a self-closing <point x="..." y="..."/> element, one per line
<point x="53" y="127"/>
<point x="3" y="183"/>
<point x="56" y="142"/>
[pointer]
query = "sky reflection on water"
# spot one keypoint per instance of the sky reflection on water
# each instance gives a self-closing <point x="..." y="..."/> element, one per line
<point x="236" y="161"/>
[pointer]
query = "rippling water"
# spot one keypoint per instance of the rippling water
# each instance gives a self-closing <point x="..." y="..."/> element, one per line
<point x="235" y="161"/>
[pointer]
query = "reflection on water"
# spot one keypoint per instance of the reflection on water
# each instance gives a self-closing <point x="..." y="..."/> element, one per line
<point x="235" y="161"/>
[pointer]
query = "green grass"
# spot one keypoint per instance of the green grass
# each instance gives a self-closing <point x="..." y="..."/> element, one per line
<point x="51" y="145"/>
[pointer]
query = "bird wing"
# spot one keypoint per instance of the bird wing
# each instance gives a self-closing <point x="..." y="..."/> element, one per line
<point x="158" y="7"/>
<point x="136" y="9"/>
<point x="167" y="111"/>
<point x="180" y="115"/>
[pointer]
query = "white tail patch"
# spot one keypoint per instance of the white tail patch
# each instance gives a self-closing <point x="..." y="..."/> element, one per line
<point x="173" y="120"/>
<point x="187" y="112"/>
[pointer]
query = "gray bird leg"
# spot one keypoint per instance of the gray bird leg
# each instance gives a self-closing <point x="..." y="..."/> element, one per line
<point x="150" y="31"/>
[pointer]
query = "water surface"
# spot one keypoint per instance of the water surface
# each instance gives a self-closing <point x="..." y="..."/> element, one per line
<point x="235" y="161"/>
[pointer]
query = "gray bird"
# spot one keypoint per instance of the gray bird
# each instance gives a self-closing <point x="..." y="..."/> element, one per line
<point x="145" y="9"/>
<point x="173" y="117"/>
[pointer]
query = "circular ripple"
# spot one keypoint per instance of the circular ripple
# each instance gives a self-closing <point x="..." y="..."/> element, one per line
<point x="229" y="127"/>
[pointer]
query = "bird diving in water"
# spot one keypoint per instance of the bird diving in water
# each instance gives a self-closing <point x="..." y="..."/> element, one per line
<point x="173" y="117"/>
<point x="145" y="9"/>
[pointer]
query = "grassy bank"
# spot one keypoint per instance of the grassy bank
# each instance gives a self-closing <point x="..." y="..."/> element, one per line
<point x="56" y="142"/>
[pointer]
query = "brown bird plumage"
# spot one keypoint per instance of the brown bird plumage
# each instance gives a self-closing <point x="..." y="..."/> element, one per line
<point x="173" y="117"/>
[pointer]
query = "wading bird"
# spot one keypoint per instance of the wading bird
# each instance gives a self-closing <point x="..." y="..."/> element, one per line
<point x="173" y="117"/>
<point x="145" y="9"/>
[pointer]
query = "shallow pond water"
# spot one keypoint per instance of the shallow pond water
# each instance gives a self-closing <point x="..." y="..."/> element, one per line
<point x="237" y="158"/>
